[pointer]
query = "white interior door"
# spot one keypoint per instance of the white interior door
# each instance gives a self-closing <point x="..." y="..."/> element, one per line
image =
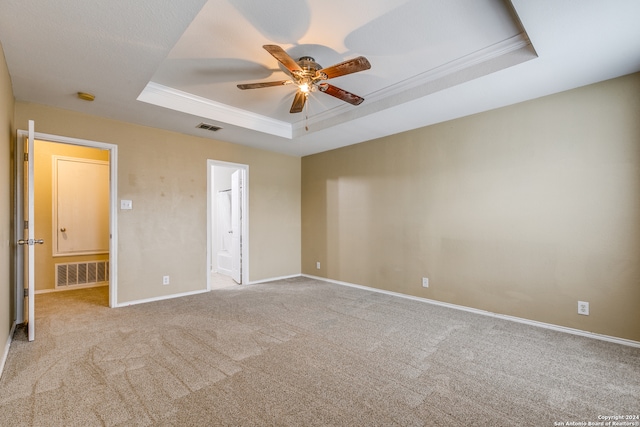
<point x="29" y="241"/>
<point x="236" y="226"/>
<point x="81" y="206"/>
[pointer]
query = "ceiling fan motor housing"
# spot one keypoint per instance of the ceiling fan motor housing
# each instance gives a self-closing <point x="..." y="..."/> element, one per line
<point x="308" y="64"/>
<point x="308" y="77"/>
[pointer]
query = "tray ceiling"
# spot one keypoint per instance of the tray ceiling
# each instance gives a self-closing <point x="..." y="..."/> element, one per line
<point x="174" y="66"/>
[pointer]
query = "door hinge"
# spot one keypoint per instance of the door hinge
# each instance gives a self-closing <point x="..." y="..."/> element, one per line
<point x="26" y="292"/>
<point x="26" y="157"/>
<point x="26" y="225"/>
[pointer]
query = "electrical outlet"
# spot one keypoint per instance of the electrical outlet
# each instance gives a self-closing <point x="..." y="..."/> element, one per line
<point x="318" y="265"/>
<point x="165" y="280"/>
<point x="583" y="308"/>
<point x="425" y="282"/>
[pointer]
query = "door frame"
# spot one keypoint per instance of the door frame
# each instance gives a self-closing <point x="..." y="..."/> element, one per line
<point x="244" y="255"/>
<point x="19" y="210"/>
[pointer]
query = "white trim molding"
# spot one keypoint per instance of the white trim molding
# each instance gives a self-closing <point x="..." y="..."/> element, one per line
<point x="174" y="99"/>
<point x="551" y="326"/>
<point x="161" y="298"/>
<point x="507" y="53"/>
<point x="72" y="288"/>
<point x="272" y="279"/>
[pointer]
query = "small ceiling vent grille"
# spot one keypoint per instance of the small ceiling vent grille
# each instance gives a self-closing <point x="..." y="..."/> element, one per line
<point x="207" y="126"/>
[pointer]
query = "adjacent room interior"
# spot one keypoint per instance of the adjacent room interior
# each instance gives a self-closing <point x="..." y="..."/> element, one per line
<point x="381" y="165"/>
<point x="78" y="254"/>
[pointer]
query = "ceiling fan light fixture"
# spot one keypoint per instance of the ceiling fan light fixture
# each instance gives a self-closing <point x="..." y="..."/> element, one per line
<point x="305" y="87"/>
<point x="86" y="96"/>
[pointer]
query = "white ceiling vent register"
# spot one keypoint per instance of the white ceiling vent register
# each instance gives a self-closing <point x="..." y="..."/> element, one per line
<point x="82" y="273"/>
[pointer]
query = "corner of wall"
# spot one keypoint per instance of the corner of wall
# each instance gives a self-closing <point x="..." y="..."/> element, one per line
<point x="7" y="114"/>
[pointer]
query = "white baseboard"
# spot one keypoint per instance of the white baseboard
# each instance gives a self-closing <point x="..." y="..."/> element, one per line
<point x="71" y="288"/>
<point x="271" y="279"/>
<point x="161" y="298"/>
<point x="143" y="301"/>
<point x="551" y="326"/>
<point x="6" y="348"/>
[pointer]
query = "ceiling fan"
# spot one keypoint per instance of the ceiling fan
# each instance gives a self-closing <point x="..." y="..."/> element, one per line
<point x="308" y="75"/>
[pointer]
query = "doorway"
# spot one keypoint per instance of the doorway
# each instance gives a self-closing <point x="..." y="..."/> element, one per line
<point x="109" y="258"/>
<point x="227" y="224"/>
<point x="71" y="201"/>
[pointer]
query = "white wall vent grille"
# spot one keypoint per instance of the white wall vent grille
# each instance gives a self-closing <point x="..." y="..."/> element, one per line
<point x="81" y="273"/>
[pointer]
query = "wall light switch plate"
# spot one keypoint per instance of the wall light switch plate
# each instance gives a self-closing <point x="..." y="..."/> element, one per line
<point x="126" y="204"/>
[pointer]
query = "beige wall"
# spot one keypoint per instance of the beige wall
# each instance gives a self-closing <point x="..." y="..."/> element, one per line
<point x="43" y="201"/>
<point x="165" y="175"/>
<point x="6" y="165"/>
<point x="521" y="211"/>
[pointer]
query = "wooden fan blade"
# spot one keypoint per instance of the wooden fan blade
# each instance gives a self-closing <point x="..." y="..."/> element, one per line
<point x="347" y="67"/>
<point x="298" y="102"/>
<point x="283" y="57"/>
<point x="264" y="84"/>
<point x="340" y="94"/>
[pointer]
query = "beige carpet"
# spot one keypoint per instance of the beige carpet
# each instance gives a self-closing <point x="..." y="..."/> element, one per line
<point x="301" y="352"/>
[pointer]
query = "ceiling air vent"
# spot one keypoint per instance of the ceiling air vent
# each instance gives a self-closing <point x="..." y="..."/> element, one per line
<point x="207" y="126"/>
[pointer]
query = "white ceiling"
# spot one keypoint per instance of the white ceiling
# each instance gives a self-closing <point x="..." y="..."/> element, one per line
<point x="173" y="65"/>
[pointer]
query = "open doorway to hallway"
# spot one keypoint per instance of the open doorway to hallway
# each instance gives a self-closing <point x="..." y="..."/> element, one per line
<point x="71" y="195"/>
<point x="228" y="224"/>
<point x="25" y="189"/>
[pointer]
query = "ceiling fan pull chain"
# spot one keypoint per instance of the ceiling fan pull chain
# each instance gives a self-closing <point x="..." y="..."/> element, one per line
<point x="306" y="114"/>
